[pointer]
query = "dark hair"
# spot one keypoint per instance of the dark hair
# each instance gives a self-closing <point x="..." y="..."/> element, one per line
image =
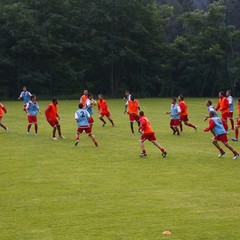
<point x="80" y="105"/>
<point x="141" y="113"/>
<point x="238" y="99"/>
<point x="89" y="94"/>
<point x="181" y="97"/>
<point x="209" y="101"/>
<point x="174" y="99"/>
<point x="54" y="99"/>
<point x="32" y="96"/>
<point x="222" y="93"/>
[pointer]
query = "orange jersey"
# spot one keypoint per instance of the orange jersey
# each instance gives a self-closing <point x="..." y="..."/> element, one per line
<point x="145" y="125"/>
<point x="83" y="99"/>
<point x="183" y="108"/>
<point x="223" y="105"/>
<point x="51" y="111"/>
<point x="133" y="106"/>
<point x="2" y="109"/>
<point x="103" y="106"/>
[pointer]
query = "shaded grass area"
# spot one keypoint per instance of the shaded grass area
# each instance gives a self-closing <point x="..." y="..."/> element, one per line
<point x="53" y="190"/>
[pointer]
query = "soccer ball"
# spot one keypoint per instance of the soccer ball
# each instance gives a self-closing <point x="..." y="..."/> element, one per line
<point x="94" y="102"/>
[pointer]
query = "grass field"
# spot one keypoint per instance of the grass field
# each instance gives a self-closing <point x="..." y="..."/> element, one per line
<point x="53" y="190"/>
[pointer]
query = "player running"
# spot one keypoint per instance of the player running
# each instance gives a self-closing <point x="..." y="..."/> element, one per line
<point x="184" y="114"/>
<point x="218" y="127"/>
<point x="84" y="97"/>
<point x="238" y="123"/>
<point x="53" y="118"/>
<point x="103" y="110"/>
<point x="223" y="106"/>
<point x="210" y="109"/>
<point x="231" y="108"/>
<point x="148" y="134"/>
<point x="175" y="112"/>
<point x="32" y="109"/>
<point x="3" y="109"/>
<point x="25" y="96"/>
<point x="133" y="107"/>
<point x="90" y="103"/>
<point x="82" y="118"/>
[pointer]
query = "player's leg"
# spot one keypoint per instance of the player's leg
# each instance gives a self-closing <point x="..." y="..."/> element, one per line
<point x="2" y="125"/>
<point x="54" y="132"/>
<point x="101" y="118"/>
<point x="79" y="131"/>
<point x="224" y="117"/>
<point x="215" y="143"/>
<point x="93" y="139"/>
<point x="231" y="148"/>
<point x="180" y="125"/>
<point x="59" y="131"/>
<point x="190" y="125"/>
<point x="157" y="144"/>
<point x="231" y="120"/>
<point x="173" y="129"/>
<point x="131" y="126"/>
<point x="36" y="127"/>
<point x="142" y="147"/>
<point x="110" y="120"/>
<point x="177" y="130"/>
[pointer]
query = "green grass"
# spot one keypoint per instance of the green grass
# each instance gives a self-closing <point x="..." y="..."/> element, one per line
<point x="53" y="190"/>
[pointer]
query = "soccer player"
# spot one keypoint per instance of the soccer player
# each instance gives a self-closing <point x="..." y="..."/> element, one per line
<point x="103" y="110"/>
<point x="82" y="118"/>
<point x="53" y="118"/>
<point x="133" y="108"/>
<point x="25" y="96"/>
<point x="3" y="109"/>
<point x="238" y="123"/>
<point x="90" y="103"/>
<point x="218" y="127"/>
<point x="223" y="106"/>
<point x="184" y="114"/>
<point x="148" y="134"/>
<point x="127" y="95"/>
<point x="231" y="107"/>
<point x="210" y="109"/>
<point x="84" y="97"/>
<point x="175" y="112"/>
<point x="32" y="109"/>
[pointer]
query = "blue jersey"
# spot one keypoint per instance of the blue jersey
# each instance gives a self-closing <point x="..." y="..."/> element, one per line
<point x="32" y="108"/>
<point x="82" y="117"/>
<point x="88" y="107"/>
<point x="174" y="110"/>
<point x="25" y="96"/>
<point x="212" y="109"/>
<point x="231" y="103"/>
<point x="218" y="128"/>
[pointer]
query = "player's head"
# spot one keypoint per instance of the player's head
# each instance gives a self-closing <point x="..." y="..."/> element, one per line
<point x="174" y="100"/>
<point x="238" y="101"/>
<point x="141" y="113"/>
<point x="33" y="97"/>
<point x="127" y="93"/>
<point x="180" y="98"/>
<point x="208" y="103"/>
<point x="228" y="93"/>
<point x="211" y="114"/>
<point x="55" y="100"/>
<point x="221" y="94"/>
<point x="24" y="88"/>
<point x="85" y="92"/>
<point x="80" y="105"/>
<point x="132" y="97"/>
<point x="90" y="96"/>
<point x="100" y="96"/>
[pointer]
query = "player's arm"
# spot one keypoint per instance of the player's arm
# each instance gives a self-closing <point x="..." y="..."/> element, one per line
<point x="211" y="126"/>
<point x="217" y="107"/>
<point x="4" y="109"/>
<point x="76" y="117"/>
<point x="20" y="96"/>
<point x="126" y="106"/>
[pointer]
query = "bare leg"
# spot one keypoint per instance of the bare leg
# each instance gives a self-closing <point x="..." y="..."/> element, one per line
<point x="93" y="139"/>
<point x="59" y="130"/>
<point x="131" y="126"/>
<point x="174" y="130"/>
<point x="215" y="143"/>
<point x="104" y="122"/>
<point x="230" y="148"/>
<point x="3" y="126"/>
<point x="177" y="130"/>
<point x="111" y="121"/>
<point x="36" y="128"/>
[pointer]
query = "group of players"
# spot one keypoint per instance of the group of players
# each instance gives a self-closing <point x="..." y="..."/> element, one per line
<point x="178" y="115"/>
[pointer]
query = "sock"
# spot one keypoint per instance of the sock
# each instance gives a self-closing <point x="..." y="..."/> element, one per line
<point x="29" y="126"/>
<point x="234" y="152"/>
<point x="162" y="150"/>
<point x="36" y="128"/>
<point x="232" y="123"/>
<point x="144" y="151"/>
<point x="236" y="133"/>
<point x="221" y="150"/>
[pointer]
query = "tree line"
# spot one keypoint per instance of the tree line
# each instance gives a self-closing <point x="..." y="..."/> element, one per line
<point x="154" y="48"/>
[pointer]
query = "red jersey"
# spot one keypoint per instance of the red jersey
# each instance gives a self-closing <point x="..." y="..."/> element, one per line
<point x="51" y="111"/>
<point x="103" y="106"/>
<point x="183" y="108"/>
<point x="145" y="125"/>
<point x="223" y="105"/>
<point x="2" y="109"/>
<point x="83" y="100"/>
<point x="133" y="106"/>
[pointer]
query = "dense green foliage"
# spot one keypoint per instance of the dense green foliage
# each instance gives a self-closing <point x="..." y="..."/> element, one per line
<point x="154" y="48"/>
